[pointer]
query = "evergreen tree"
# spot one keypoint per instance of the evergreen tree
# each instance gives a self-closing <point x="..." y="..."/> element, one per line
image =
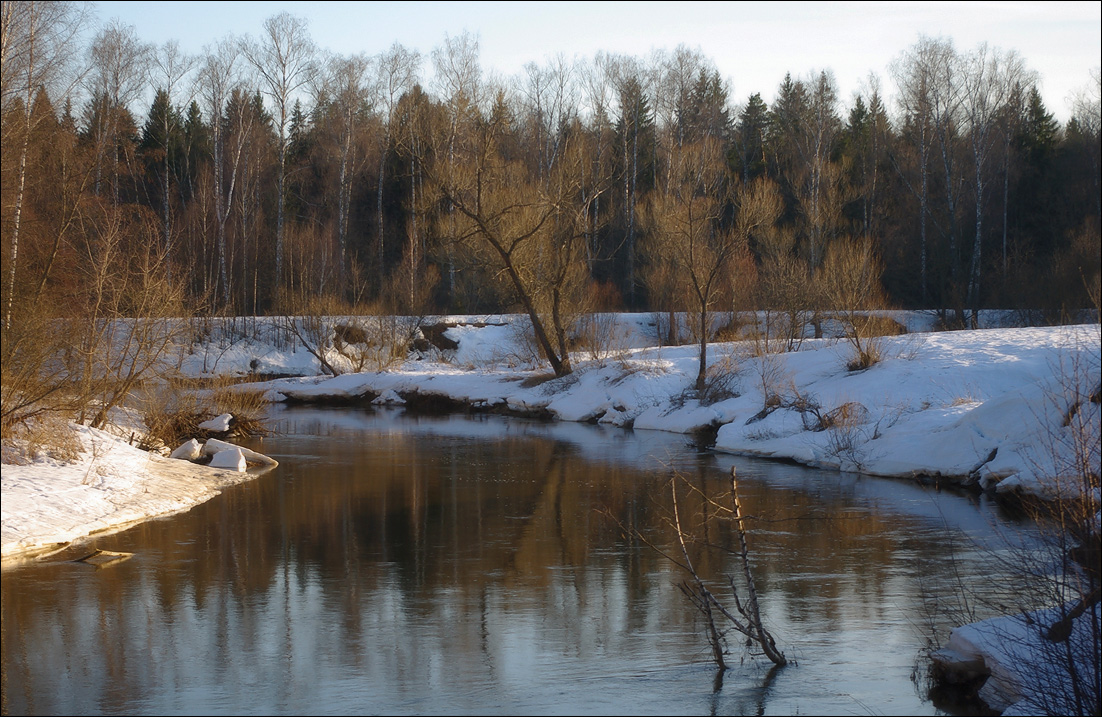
<point x="636" y="133"/>
<point x="161" y="149"/>
<point x="753" y="127"/>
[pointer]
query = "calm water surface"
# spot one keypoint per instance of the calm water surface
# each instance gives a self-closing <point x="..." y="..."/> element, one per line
<point x="395" y="564"/>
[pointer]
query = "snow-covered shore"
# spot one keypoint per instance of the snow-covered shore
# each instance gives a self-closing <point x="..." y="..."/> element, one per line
<point x="990" y="406"/>
<point x="110" y="486"/>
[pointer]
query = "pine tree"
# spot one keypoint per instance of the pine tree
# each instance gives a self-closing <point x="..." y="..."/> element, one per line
<point x="635" y="131"/>
<point x="753" y="126"/>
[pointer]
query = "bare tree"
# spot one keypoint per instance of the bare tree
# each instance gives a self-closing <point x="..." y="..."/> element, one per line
<point x="283" y="60"/>
<point x="529" y="230"/>
<point x="346" y="89"/>
<point x="913" y="76"/>
<point x="118" y="62"/>
<point x="850" y="284"/>
<point x="746" y="617"/>
<point x="945" y="112"/>
<point x="1086" y="107"/>
<point x="217" y="80"/>
<point x="459" y="81"/>
<point x="37" y="45"/>
<point x="550" y="101"/>
<point x="169" y="66"/>
<point x="988" y="84"/>
<point x="689" y="237"/>
<point x="397" y="70"/>
<point x="634" y="115"/>
<point x="598" y="82"/>
<point x="815" y="141"/>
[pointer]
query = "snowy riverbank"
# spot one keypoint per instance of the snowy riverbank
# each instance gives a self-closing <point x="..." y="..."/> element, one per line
<point x="110" y="486"/>
<point x="992" y="406"/>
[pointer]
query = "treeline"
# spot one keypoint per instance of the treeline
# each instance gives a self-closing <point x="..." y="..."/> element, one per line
<point x="268" y="176"/>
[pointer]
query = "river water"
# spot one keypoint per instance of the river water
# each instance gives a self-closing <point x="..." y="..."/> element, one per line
<point x="409" y="565"/>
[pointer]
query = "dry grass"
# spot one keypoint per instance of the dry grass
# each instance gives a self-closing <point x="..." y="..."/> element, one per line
<point x="866" y="355"/>
<point x="49" y="435"/>
<point x="174" y="417"/>
<point x="721" y="381"/>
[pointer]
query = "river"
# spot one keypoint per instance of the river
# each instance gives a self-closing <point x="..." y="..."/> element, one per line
<point x="396" y="564"/>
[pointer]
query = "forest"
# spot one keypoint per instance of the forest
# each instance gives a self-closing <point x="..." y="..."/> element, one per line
<point x="268" y="176"/>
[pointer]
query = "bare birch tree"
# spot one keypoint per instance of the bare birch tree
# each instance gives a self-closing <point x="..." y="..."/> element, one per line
<point x="346" y="88"/>
<point x="459" y="81"/>
<point x="168" y="68"/>
<point x="397" y="70"/>
<point x="988" y="83"/>
<point x="283" y="60"/>
<point x="217" y="80"/>
<point x="37" y="48"/>
<point x="118" y="62"/>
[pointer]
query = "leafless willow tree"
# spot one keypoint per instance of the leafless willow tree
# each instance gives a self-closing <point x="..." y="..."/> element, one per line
<point x="689" y="237"/>
<point x="530" y="231"/>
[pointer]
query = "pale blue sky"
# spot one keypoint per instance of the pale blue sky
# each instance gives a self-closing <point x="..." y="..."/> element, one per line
<point x="752" y="43"/>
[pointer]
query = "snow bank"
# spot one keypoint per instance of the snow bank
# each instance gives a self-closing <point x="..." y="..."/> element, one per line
<point x="988" y="406"/>
<point x="111" y="486"/>
<point x="1028" y="673"/>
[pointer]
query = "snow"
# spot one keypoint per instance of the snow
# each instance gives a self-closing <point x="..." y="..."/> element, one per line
<point x="188" y="450"/>
<point x="220" y="424"/>
<point x="987" y="405"/>
<point x="1029" y="673"/>
<point x="111" y="486"/>
<point x="1003" y="407"/>
<point x="231" y="458"/>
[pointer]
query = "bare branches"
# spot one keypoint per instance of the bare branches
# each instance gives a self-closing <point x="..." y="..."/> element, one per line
<point x="746" y="617"/>
<point x="283" y="60"/>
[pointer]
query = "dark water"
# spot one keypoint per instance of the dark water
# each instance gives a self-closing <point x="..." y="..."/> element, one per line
<point x="454" y="565"/>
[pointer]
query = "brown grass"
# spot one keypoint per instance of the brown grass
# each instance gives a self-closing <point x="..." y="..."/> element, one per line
<point x="173" y="418"/>
<point x="48" y="435"/>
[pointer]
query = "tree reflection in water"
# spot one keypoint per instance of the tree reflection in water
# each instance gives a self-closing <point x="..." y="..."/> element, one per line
<point x="396" y="564"/>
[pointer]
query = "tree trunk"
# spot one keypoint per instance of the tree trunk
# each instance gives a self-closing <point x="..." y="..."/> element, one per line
<point x="13" y="259"/>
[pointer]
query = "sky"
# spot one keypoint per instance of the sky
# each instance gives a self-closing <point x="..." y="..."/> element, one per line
<point x="753" y="44"/>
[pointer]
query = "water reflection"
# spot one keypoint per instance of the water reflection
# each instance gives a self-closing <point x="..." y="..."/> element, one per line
<point x="414" y="565"/>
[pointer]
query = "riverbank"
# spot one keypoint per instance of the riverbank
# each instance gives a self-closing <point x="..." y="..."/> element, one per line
<point x="108" y="485"/>
<point x="1003" y="409"/>
<point x="1006" y="410"/>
